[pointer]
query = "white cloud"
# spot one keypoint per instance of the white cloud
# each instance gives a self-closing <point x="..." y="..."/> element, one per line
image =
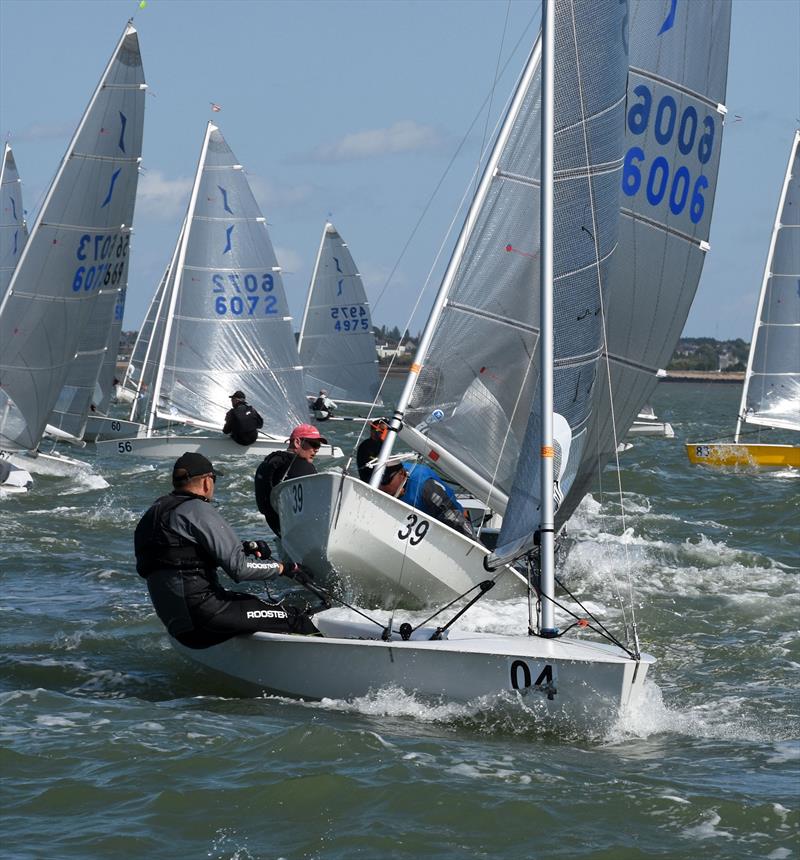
<point x="42" y="131"/>
<point x="269" y="195"/>
<point x="289" y="260"/>
<point x="162" y="198"/>
<point x="404" y="136"/>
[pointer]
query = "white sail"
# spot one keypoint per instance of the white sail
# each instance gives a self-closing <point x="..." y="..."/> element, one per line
<point x="771" y="395"/>
<point x="337" y="344"/>
<point x="78" y="245"/>
<point x="13" y="229"/>
<point x="227" y="324"/>
<point x="673" y="127"/>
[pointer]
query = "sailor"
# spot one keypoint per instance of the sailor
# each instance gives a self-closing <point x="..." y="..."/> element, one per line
<point x="181" y="541"/>
<point x="242" y="421"/>
<point x="323" y="407"/>
<point x="370" y="447"/>
<point x="419" y="486"/>
<point x="297" y="460"/>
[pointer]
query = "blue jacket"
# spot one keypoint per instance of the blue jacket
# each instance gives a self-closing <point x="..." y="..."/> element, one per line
<point x="418" y="474"/>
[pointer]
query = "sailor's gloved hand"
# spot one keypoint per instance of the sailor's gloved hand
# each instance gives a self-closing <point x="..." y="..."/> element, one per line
<point x="297" y="572"/>
<point x="258" y="548"/>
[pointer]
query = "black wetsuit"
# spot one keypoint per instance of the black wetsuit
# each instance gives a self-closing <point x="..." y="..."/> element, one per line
<point x="179" y="543"/>
<point x="276" y="467"/>
<point x="243" y="423"/>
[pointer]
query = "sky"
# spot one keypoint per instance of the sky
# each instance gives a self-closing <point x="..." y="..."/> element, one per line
<point x="371" y="114"/>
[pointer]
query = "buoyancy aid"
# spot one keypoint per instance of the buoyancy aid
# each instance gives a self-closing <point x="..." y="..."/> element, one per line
<point x="418" y="474"/>
<point x="158" y="548"/>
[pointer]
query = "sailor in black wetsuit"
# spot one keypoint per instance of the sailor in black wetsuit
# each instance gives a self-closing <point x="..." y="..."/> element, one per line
<point x="179" y="544"/>
<point x="242" y="421"/>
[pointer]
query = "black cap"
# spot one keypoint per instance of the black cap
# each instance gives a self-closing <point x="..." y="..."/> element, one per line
<point x="237" y="395"/>
<point x="192" y="465"/>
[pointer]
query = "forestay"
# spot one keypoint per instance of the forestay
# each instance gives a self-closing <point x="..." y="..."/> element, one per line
<point x="13" y="229"/>
<point x="78" y="245"/>
<point x="337" y="344"/>
<point x="227" y="322"/>
<point x="673" y="135"/>
<point x="771" y="394"/>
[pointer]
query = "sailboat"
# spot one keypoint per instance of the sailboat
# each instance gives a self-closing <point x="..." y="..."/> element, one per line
<point x="221" y="324"/>
<point x="466" y="404"/>
<point x="13" y="229"/>
<point x="78" y="245"/>
<point x="771" y="393"/>
<point x="336" y="343"/>
<point x="647" y="423"/>
<point x="580" y="157"/>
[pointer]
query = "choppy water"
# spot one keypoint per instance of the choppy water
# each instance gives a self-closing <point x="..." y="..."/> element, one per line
<point x="112" y="746"/>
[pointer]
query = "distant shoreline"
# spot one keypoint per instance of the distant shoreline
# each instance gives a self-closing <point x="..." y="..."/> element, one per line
<point x="702" y="376"/>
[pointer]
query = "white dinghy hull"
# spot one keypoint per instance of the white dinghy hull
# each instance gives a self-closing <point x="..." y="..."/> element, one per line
<point x="170" y="447"/>
<point x="580" y="682"/>
<point x="103" y="427"/>
<point x="54" y="464"/>
<point x="377" y="546"/>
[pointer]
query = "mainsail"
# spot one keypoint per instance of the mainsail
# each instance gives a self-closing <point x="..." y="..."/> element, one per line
<point x="771" y="395"/>
<point x="13" y="229"/>
<point x="226" y="320"/>
<point x="78" y="245"/>
<point x="673" y="129"/>
<point x="337" y="345"/>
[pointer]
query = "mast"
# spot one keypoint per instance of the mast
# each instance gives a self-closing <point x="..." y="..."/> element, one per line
<point x="396" y="421"/>
<point x="177" y="272"/>
<point x="741" y="418"/>
<point x="546" y="527"/>
<point x="313" y="281"/>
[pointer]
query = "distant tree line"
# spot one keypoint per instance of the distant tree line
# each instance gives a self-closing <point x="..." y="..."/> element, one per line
<point x="708" y="353"/>
<point x="692" y="353"/>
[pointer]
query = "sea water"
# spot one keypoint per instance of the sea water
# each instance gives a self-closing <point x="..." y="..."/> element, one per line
<point x="112" y="746"/>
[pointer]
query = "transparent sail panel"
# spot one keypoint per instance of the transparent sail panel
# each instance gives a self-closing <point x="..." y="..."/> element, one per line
<point x="78" y="244"/>
<point x="13" y="230"/>
<point x="231" y="327"/>
<point x="591" y="66"/>
<point x="673" y="135"/>
<point x="773" y="384"/>
<point x="108" y="370"/>
<point x="337" y="345"/>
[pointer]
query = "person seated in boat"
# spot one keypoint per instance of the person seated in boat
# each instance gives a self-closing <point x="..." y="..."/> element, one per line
<point x="370" y="447"/>
<point x="242" y="421"/>
<point x="181" y="541"/>
<point x="297" y="460"/>
<point x="323" y="407"/>
<point x="419" y="486"/>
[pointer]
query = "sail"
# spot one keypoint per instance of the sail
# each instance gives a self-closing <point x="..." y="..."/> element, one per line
<point x="337" y="344"/>
<point x="13" y="229"/>
<point x="772" y="384"/>
<point x="673" y="136"/>
<point x="481" y="371"/>
<point x="83" y="392"/>
<point x="227" y="323"/>
<point x="143" y="367"/>
<point x="78" y="245"/>
<point x="104" y="390"/>
<point x="590" y="72"/>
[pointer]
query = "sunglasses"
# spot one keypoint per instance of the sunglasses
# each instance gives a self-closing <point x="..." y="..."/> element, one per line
<point x="311" y="443"/>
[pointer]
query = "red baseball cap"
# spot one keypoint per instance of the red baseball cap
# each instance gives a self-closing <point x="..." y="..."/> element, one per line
<point x="307" y="431"/>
